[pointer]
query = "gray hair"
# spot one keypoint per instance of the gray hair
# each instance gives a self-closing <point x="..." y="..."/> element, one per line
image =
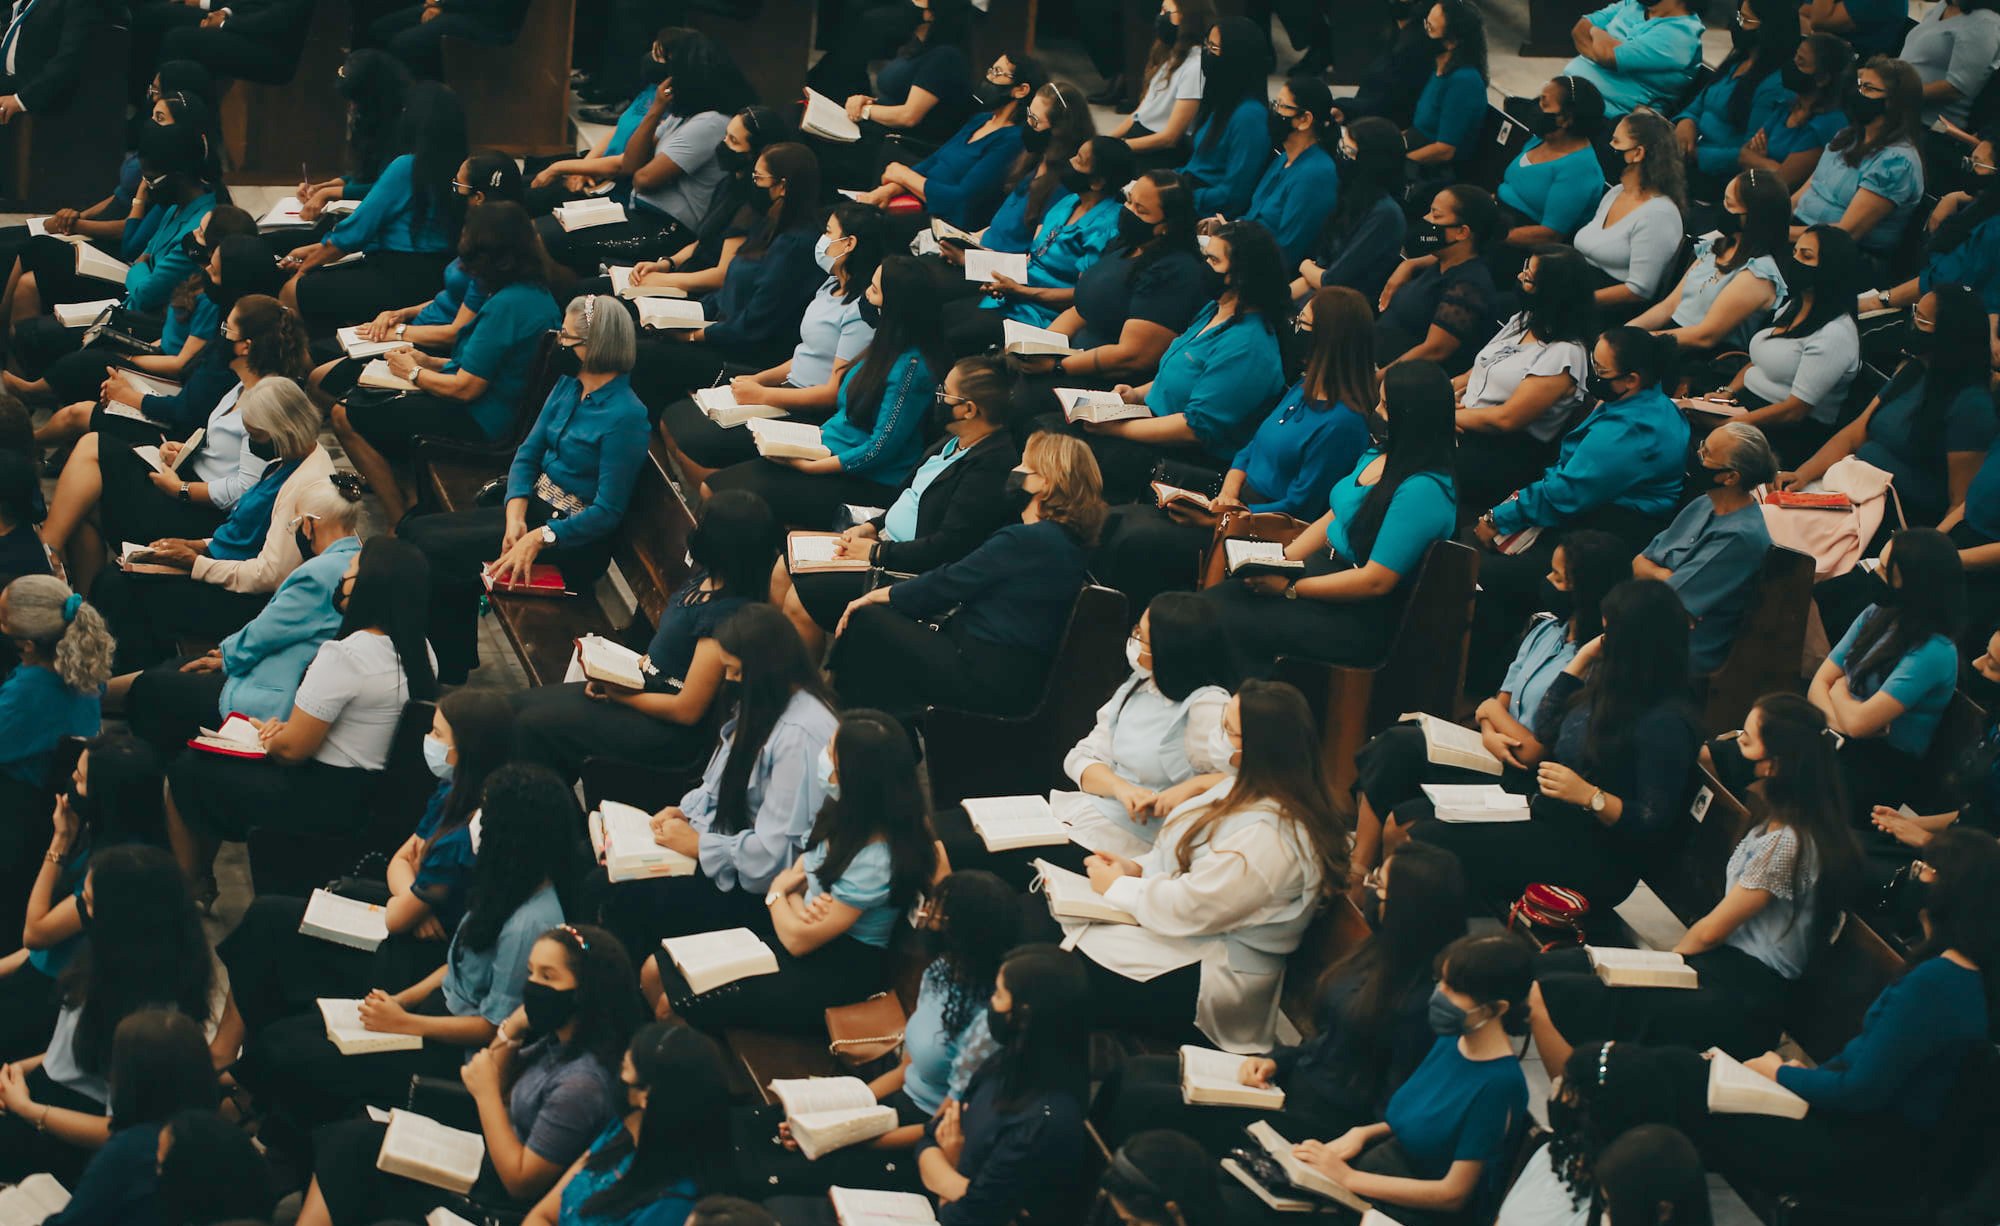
<point x="280" y="409"/>
<point x="42" y="609"/>
<point x="1749" y="452"/>
<point x="324" y="501"/>
<point x="610" y="345"/>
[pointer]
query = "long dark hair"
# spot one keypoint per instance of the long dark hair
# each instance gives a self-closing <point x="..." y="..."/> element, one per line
<point x="1070" y="126"/>
<point x="797" y="168"/>
<point x="735" y="544"/>
<point x="1044" y="1050"/>
<point x="1902" y="112"/>
<point x="1962" y="909"/>
<point x="775" y="669"/>
<point x="527" y="817"/>
<point x="863" y="224"/>
<point x="276" y="338"/>
<point x="683" y="1131"/>
<point x="1837" y="280"/>
<point x="1340" y="363"/>
<point x="912" y="318"/>
<point x="145" y="948"/>
<point x="1232" y="78"/>
<point x="1644" y="665"/>
<point x="1926" y="598"/>
<point x="1767" y="219"/>
<point x="1189" y="645"/>
<point x="1256" y="274"/>
<point x="499" y="247"/>
<point x="247" y="271"/>
<point x="1378" y="170"/>
<point x="159" y="1065"/>
<point x="225" y="221"/>
<point x="434" y="135"/>
<point x="979" y="919"/>
<point x="1608" y="1089"/>
<point x="1650" y="1169"/>
<point x="392" y="593"/>
<point x="1598" y="562"/>
<point x="1958" y="361"/>
<point x="374" y="85"/>
<point x="1805" y="790"/>
<point x="212" y="1173"/>
<point x="1563" y="306"/>
<point x="705" y="77"/>
<point x="1465" y="25"/>
<point x="608" y="1005"/>
<point x="482" y="734"/>
<point x="1770" y="49"/>
<point x="1196" y="17"/>
<point x="123" y="801"/>
<point x="880" y="798"/>
<point x="1421" y="439"/>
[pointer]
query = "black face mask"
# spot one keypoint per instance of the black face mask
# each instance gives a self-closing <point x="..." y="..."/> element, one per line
<point x="1035" y="141"/>
<point x="1729" y="223"/>
<point x="735" y="161"/>
<point x="1018" y="498"/>
<point x="263" y="448"/>
<point x="1000" y="1025"/>
<point x="652" y="71"/>
<point x="192" y="248"/>
<point x="342" y="591"/>
<point x="870" y="313"/>
<point x="1279" y="126"/>
<point x="1741" y="39"/>
<point x="1425" y="237"/>
<point x="1860" y="109"/>
<point x="1433" y="45"/>
<point x="943" y="412"/>
<point x="1701" y="480"/>
<point x="549" y="1009"/>
<point x="1794" y="78"/>
<point x="1919" y="345"/>
<point x="1075" y="180"/>
<point x="1133" y="229"/>
<point x="1165" y="30"/>
<point x="990" y="97"/>
<point x="1976" y="181"/>
<point x="84" y="919"/>
<point x="1799" y="277"/>
<point x="1600" y="387"/>
<point x="85" y="807"/>
<point x="568" y="361"/>
<point x="1539" y="122"/>
<point x="304" y="541"/>
<point x="1557" y="601"/>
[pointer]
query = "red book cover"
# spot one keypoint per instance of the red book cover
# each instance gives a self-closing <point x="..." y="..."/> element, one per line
<point x="543" y="580"/>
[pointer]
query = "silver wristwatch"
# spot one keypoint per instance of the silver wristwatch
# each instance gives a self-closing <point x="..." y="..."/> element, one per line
<point x="548" y="535"/>
<point x="1597" y="801"/>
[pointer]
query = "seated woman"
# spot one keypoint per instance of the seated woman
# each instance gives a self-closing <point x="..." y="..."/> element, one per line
<point x="1526" y="386"/>
<point x="1225" y="892"/>
<point x="700" y="265"/>
<point x="874" y="439"/>
<point x="567" y="488"/>
<point x="748" y="817"/>
<point x="1635" y="235"/>
<point x="1362" y="239"/>
<point x="1439" y="304"/>
<point x="754" y="315"/>
<point x="1871" y="184"/>
<point x="1232" y="140"/>
<point x="829" y="915"/>
<point x="833" y="334"/>
<point x="1974" y="527"/>
<point x="962" y="182"/>
<point x="1382" y="518"/>
<point x="557" y="180"/>
<point x="22" y="512"/>
<point x="407" y="225"/>
<point x="1216" y="381"/>
<point x="300" y="1080"/>
<point x="1369" y="1035"/>
<point x="230" y="574"/>
<point x="1735" y="282"/>
<point x="211" y="1170"/>
<point x="372" y="86"/>
<point x="256" y="671"/>
<point x="1932" y="424"/>
<point x="951" y="504"/>
<point x="146" y="951"/>
<point x="1749" y="84"/>
<point x="1311" y="440"/>
<point x="1301" y="186"/>
<point x="671" y="720"/>
<point x="922" y="91"/>
<point x="668" y="1145"/>
<point x="1880" y="1103"/>
<point x="1782" y="895"/>
<point x="545" y="1088"/>
<point x="1638" y="55"/>
<point x="1055" y="124"/>
<point x="1013" y="596"/>
<point x="319" y="762"/>
<point x="1713" y="553"/>
<point x="470" y="395"/>
<point x="1441" y="1152"/>
<point x="1157" y="129"/>
<point x="52" y="694"/>
<point x="1801" y="367"/>
<point x="1791" y="135"/>
<point x="1611" y="794"/>
<point x="1452" y="107"/>
<point x="1156" y="744"/>
<point x="1395" y="764"/>
<point x="1953" y="49"/>
<point x="1548" y="192"/>
<point x="1963" y="240"/>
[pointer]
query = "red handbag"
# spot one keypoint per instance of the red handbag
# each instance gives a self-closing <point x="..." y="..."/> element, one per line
<point x="1549" y="915"/>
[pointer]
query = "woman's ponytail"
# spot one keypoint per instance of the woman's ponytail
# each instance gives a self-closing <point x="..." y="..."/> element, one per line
<point x="64" y="627"/>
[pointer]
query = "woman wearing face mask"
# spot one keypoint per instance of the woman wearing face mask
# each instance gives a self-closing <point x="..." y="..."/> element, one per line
<point x="545" y="1088"/>
<point x="1871" y="186"/>
<point x="1056" y="124"/>
<point x="1737" y="280"/>
<point x="1013" y="596"/>
<point x="280" y="971"/>
<point x="956" y="499"/>
<point x="1370" y="1029"/>
<point x="1962" y="247"/>
<point x="669" y="1148"/>
<point x="556" y="180"/>
<point x="1362" y="239"/>
<point x="1553" y="187"/>
<point x="1638" y="53"/>
<point x="1527" y="384"/>
<point x="256" y="670"/>
<point x="1232" y="141"/>
<point x="1161" y="1178"/>
<point x="567" y="488"/>
<point x="732" y="213"/>
<point x="373" y="86"/>
<point x="1223" y="895"/>
<point x="1749" y="84"/>
<point x="1635" y="235"/>
<point x="1301" y="186"/>
<point x="747" y="819"/>
<point x="829" y="914"/>
<point x="1440" y="1153"/>
<point x="1158" y="128"/>
<point x="65" y="657"/>
<point x="318" y="762"/>
<point x="1453" y="102"/>
<point x="1788" y="138"/>
<point x="733" y="548"/>
<point x="470" y="395"/>
<point x="231" y="573"/>
<point x="875" y="437"/>
<point x="920" y="93"/>
<point x="963" y="181"/>
<point x="1438" y="305"/>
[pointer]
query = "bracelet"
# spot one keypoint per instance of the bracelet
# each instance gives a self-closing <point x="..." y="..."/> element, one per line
<point x="52" y="857"/>
<point x="42" y="1121"/>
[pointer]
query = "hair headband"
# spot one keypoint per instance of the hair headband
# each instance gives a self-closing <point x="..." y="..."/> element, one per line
<point x="71" y="604"/>
<point x="1603" y="1062"/>
<point x="589" y="308"/>
<point x="583" y="946"/>
<point x="351" y="485"/>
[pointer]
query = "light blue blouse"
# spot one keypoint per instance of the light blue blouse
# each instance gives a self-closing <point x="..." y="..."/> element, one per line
<point x="900" y="524"/>
<point x="1704" y="283"/>
<point x="941" y="1062"/>
<point x="1781" y="935"/>
<point x="488" y="982"/>
<point x="1544" y="652"/>
<point x="781" y="796"/>
<point x="864" y="886"/>
<point x="831" y="331"/>
<point x="1818" y="368"/>
<point x="1895" y="173"/>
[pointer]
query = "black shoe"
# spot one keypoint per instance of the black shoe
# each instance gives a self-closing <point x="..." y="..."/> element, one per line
<point x="1113" y="93"/>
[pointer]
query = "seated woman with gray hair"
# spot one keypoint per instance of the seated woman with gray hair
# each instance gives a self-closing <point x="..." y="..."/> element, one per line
<point x="1712" y="554"/>
<point x="256" y="670"/>
<point x="65" y="655"/>
<point x="208" y="588"/>
<point x="566" y="491"/>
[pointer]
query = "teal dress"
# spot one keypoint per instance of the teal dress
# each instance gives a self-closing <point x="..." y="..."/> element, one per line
<point x="669" y="1208"/>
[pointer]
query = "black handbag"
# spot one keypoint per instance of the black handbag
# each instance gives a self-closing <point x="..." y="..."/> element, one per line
<point x="124" y="333"/>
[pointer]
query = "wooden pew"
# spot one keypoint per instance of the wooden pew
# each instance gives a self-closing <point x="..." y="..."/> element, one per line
<point x="269" y="130"/>
<point x="1770" y="639"/>
<point x="1549" y="24"/>
<point x="76" y="160"/>
<point x="1691" y="884"/>
<point x="770" y="40"/>
<point x="517" y="97"/>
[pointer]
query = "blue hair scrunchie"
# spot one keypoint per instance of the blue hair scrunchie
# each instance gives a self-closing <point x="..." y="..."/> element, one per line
<point x="71" y="604"/>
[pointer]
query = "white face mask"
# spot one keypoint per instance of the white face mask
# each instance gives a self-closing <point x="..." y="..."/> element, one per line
<point x="822" y="256"/>
<point x="1132" y="653"/>
<point x="1220" y="748"/>
<point x="472" y="829"/>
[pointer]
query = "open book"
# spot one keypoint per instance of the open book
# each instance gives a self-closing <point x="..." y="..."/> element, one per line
<point x="829" y="1113"/>
<point x="151" y="454"/>
<point x="1088" y="404"/>
<point x="610" y="663"/>
<point x="1716" y="407"/>
<point x="1070" y="897"/>
<point x="1735" y="1090"/>
<point x="828" y="120"/>
<point x="422" y="1149"/>
<point x="151" y="385"/>
<point x="782" y="440"/>
<point x="1301" y="1175"/>
<point x="1164" y="494"/>
<point x="32" y="1201"/>
<point x="944" y="232"/>
<point x="866" y="1207"/>
<point x="622" y="836"/>
<point x="1007" y="822"/>
<point x="722" y="407"/>
<point x="38" y="227"/>
<point x="1641" y="968"/>
<point x="133" y="558"/>
<point x="237" y="738"/>
<point x="378" y="374"/>
<point x="1449" y="744"/>
<point x="1243" y="556"/>
<point x="355" y="346"/>
<point x="708" y="960"/>
<point x="583" y="214"/>
<point x="442" y="1216"/>
<point x="82" y="314"/>
<point x="345" y="921"/>
<point x="1209" y="1078"/>
<point x="1476" y="802"/>
<point x="1027" y="338"/>
<point x="669" y="314"/>
<point x="1512" y="543"/>
<point x="345" y="1031"/>
<point x="544" y="579"/>
<point x="90" y="262"/>
<point x="284" y="215"/>
<point x="623" y="286"/>
<point x="981" y="264"/>
<point x="806" y="552"/>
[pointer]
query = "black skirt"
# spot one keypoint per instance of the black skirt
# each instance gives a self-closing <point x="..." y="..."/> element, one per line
<point x="840" y="972"/>
<point x="1739" y="1006"/>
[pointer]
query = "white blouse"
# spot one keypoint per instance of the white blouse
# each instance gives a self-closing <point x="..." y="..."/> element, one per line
<point x="1511" y="357"/>
<point x="1638" y="249"/>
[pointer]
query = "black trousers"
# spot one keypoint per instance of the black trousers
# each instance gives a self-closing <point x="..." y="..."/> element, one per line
<point x="1739" y="1006"/>
<point x="801" y="499"/>
<point x="701" y="440"/>
<point x="1561" y="845"/>
<point x="1143" y="552"/>
<point x="771" y="1168"/>
<point x="150" y="614"/>
<point x="796" y="999"/>
<point x="1492" y="466"/>
<point x="557" y="726"/>
<point x="131" y="508"/>
<point x="826" y="594"/>
<point x="356" y="1190"/>
<point x="229" y="55"/>
<point x="53" y="262"/>
<point x="419" y="43"/>
<point x="1262" y="628"/>
<point x="643" y="913"/>
<point x="225" y="798"/>
<point x="971" y="327"/>
<point x="670" y="369"/>
<point x="967" y="850"/>
<point x="165" y="706"/>
<point x="29" y="1004"/>
<point x="1393" y="767"/>
<point x="331" y="298"/>
<point x="276" y="972"/>
<point x="644" y="235"/>
<point x="150" y="22"/>
<point x="1144" y="1093"/>
<point x="391" y="424"/>
<point x="1163" y="1005"/>
<point x="887" y="661"/>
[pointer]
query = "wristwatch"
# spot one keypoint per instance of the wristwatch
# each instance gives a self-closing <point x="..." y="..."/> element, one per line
<point x="1292" y="590"/>
<point x="400" y="329"/>
<point x="548" y="535"/>
<point x="183" y="494"/>
<point x="1597" y="801"/>
<point x="867" y="109"/>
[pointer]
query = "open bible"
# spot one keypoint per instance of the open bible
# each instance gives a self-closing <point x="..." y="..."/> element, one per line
<point x="623" y="839"/>
<point x="708" y="960"/>
<point x="829" y="1113"/>
<point x="345" y="921"/>
<point x="417" y="1147"/>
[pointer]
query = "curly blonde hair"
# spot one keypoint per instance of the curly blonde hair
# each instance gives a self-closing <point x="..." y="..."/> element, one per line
<point x="62" y="626"/>
<point x="1075" y="494"/>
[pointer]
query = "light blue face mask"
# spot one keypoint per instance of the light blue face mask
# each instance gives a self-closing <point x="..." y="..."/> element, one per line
<point x="822" y="256"/>
<point x="437" y="756"/>
<point x="823" y="769"/>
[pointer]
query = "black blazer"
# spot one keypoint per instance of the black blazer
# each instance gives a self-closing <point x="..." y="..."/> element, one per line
<point x="55" y="37"/>
<point x="965" y="505"/>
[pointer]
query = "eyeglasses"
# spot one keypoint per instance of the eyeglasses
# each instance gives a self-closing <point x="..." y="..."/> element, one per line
<point x="1038" y="125"/>
<point x="944" y="397"/>
<point x="997" y="77"/>
<point x="463" y="189"/>
<point x="1284" y="108"/>
<point x="1212" y="47"/>
<point x="764" y="180"/>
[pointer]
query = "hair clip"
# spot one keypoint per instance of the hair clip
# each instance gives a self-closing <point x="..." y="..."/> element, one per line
<point x="1060" y="100"/>
<point x="1603" y="1062"/>
<point x="589" y="308"/>
<point x="583" y="946"/>
<point x="351" y="485"/>
<point x="71" y="603"/>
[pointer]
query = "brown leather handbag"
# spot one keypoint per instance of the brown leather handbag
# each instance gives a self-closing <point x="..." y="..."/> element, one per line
<point x="1245" y="526"/>
<point x="867" y="1033"/>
